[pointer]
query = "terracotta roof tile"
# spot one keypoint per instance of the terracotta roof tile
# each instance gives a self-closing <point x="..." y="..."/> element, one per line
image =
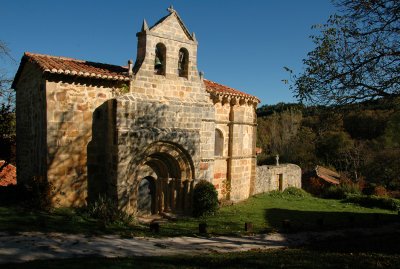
<point x="217" y="88"/>
<point x="8" y="174"/>
<point x="80" y="68"/>
<point x="73" y="67"/>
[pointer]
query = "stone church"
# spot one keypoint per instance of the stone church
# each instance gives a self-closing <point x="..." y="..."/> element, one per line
<point x="141" y="134"/>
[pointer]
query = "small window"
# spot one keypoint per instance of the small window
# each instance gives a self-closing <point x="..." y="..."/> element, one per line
<point x="219" y="143"/>
<point x="183" y="63"/>
<point x="159" y="60"/>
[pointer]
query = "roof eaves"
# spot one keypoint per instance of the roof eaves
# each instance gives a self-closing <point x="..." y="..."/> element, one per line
<point x="222" y="90"/>
<point x="66" y="69"/>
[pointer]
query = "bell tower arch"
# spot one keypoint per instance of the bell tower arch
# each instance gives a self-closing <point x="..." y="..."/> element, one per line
<point x="179" y="56"/>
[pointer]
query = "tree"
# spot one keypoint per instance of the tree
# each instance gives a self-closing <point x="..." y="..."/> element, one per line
<point x="357" y="55"/>
<point x="275" y="132"/>
<point x="332" y="147"/>
<point x="302" y="149"/>
<point x="7" y="110"/>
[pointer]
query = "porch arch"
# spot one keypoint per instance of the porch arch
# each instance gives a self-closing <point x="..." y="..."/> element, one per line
<point x="173" y="172"/>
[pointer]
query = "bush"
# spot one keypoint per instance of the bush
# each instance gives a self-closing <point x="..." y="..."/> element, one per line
<point x="380" y="191"/>
<point x="290" y="192"/>
<point x="313" y="185"/>
<point x="296" y="192"/>
<point x="374" y="201"/>
<point x="205" y="199"/>
<point x="106" y="210"/>
<point x="376" y="190"/>
<point x="341" y="191"/>
<point x="334" y="192"/>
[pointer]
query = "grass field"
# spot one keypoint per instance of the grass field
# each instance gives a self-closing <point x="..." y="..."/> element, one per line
<point x="267" y="212"/>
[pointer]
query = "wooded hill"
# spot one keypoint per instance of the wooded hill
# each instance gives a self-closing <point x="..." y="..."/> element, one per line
<point x="361" y="140"/>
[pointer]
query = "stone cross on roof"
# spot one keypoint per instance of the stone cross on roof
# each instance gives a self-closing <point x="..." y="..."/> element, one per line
<point x="171" y="9"/>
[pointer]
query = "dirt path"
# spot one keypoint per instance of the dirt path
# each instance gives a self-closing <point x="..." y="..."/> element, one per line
<point x="29" y="246"/>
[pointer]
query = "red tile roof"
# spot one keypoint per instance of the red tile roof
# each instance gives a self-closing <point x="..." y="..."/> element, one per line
<point x="327" y="175"/>
<point x="8" y="174"/>
<point x="74" y="67"/>
<point x="80" y="68"/>
<point x="217" y="88"/>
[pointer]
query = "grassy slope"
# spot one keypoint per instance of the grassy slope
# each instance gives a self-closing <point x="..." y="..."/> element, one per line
<point x="267" y="213"/>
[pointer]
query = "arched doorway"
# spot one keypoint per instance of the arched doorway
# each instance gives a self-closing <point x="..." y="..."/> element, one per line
<point x="147" y="196"/>
<point x="172" y="171"/>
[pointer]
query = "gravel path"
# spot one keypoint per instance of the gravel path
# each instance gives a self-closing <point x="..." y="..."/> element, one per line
<point x="29" y="246"/>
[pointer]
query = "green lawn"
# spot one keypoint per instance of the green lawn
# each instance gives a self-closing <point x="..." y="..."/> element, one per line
<point x="267" y="212"/>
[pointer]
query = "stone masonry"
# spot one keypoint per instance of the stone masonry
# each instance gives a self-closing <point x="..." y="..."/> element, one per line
<point x="277" y="177"/>
<point x="142" y="135"/>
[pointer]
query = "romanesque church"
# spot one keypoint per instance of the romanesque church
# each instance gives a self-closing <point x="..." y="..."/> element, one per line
<point x="141" y="134"/>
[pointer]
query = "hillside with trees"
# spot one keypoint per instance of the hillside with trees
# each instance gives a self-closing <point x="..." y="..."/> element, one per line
<point x="359" y="140"/>
<point x="350" y="84"/>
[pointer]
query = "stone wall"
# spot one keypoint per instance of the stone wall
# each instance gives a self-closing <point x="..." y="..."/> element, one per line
<point x="234" y="171"/>
<point x="70" y="108"/>
<point x="172" y="123"/>
<point x="243" y="151"/>
<point x="268" y="177"/>
<point x="31" y="125"/>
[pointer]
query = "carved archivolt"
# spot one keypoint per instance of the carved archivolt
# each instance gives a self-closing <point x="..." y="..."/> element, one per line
<point x="168" y="160"/>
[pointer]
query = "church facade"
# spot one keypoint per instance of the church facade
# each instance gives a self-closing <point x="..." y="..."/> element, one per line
<point x="141" y="134"/>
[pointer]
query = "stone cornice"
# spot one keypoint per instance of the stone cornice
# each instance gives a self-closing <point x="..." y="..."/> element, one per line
<point x="227" y="158"/>
<point x="230" y="122"/>
<point x="234" y="99"/>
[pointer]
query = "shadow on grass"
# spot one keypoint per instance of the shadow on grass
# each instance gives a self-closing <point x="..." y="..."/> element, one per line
<point x="286" y="220"/>
<point x="288" y="258"/>
<point x="386" y="243"/>
<point x="14" y="219"/>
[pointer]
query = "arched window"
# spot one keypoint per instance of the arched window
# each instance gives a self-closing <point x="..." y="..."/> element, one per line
<point x="160" y="59"/>
<point x="219" y="143"/>
<point x="183" y="63"/>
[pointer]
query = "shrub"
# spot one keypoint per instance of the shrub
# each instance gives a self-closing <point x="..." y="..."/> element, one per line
<point x="374" y="201"/>
<point x="341" y="191"/>
<point x="380" y="191"/>
<point x="377" y="190"/>
<point x="290" y="192"/>
<point x="313" y="185"/>
<point x="296" y="192"/>
<point x="394" y="194"/>
<point x="205" y="199"/>
<point x="106" y="210"/>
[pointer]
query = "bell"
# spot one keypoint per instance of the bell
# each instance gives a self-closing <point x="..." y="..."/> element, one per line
<point x="157" y="63"/>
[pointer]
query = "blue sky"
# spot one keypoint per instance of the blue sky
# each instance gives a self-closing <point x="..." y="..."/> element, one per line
<point x="242" y="44"/>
